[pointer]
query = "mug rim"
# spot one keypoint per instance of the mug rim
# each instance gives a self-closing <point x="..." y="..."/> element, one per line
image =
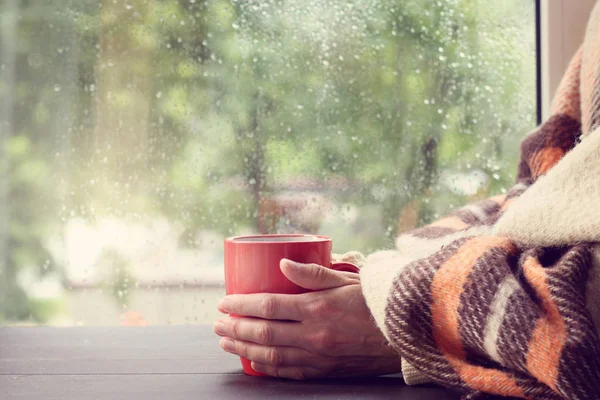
<point x="236" y="239"/>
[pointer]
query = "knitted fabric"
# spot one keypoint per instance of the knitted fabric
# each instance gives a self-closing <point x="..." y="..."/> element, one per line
<point x="502" y="297"/>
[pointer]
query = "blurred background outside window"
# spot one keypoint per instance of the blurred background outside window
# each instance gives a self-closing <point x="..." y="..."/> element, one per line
<point x="136" y="134"/>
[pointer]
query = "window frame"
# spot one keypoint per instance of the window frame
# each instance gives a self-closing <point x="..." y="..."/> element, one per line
<point x="560" y="26"/>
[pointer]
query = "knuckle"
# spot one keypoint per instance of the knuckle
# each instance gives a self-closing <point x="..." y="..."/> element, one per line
<point x="268" y="306"/>
<point x="241" y="349"/>
<point x="304" y="303"/>
<point x="275" y="372"/>
<point x="324" y="340"/>
<point x="264" y="333"/>
<point x="235" y="328"/>
<point x="274" y="357"/>
<point x="322" y="308"/>
<point x="318" y="272"/>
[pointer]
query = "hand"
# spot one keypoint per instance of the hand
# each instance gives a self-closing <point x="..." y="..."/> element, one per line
<point x="325" y="333"/>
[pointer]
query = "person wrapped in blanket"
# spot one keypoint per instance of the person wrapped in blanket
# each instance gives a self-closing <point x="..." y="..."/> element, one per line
<point x="502" y="297"/>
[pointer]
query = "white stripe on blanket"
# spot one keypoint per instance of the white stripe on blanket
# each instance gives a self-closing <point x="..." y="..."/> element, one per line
<point x="492" y="330"/>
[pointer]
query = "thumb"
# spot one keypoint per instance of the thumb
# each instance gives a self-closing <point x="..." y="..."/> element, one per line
<point x="315" y="277"/>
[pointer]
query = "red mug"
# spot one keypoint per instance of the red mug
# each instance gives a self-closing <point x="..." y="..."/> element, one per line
<point x="252" y="265"/>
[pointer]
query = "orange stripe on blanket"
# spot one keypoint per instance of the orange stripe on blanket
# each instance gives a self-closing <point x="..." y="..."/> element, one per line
<point x="447" y="288"/>
<point x="487" y="380"/>
<point x="544" y="159"/>
<point x="450" y="222"/>
<point x="549" y="335"/>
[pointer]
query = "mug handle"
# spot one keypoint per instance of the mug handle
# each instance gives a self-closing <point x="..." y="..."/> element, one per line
<point x="344" y="267"/>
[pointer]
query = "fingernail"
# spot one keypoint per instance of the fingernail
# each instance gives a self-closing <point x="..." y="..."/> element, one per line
<point x="291" y="264"/>
<point x="255" y="366"/>
<point x="219" y="328"/>
<point x="228" y="345"/>
<point x="224" y="305"/>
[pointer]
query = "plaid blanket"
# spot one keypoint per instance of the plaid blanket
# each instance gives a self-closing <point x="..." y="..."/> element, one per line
<point x="502" y="297"/>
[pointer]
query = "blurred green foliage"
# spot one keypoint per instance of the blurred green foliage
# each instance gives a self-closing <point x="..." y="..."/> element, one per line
<point x="199" y="110"/>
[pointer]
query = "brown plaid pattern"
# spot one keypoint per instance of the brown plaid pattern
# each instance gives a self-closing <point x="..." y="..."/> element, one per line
<point x="487" y="317"/>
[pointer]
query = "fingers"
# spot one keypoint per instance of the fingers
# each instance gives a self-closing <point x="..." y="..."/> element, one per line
<point x="273" y="333"/>
<point x="316" y="277"/>
<point x="299" y="364"/>
<point x="295" y="373"/>
<point x="276" y="356"/>
<point x="285" y="306"/>
<point x="266" y="305"/>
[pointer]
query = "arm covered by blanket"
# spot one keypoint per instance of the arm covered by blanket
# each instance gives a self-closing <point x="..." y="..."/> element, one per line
<point x="501" y="297"/>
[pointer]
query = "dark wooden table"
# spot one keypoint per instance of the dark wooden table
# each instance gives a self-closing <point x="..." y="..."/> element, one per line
<point x="157" y="363"/>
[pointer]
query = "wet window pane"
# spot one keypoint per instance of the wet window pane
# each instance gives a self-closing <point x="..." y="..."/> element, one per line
<point x="135" y="135"/>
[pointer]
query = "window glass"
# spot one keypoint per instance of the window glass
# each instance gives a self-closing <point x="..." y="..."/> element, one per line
<point x="135" y="135"/>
